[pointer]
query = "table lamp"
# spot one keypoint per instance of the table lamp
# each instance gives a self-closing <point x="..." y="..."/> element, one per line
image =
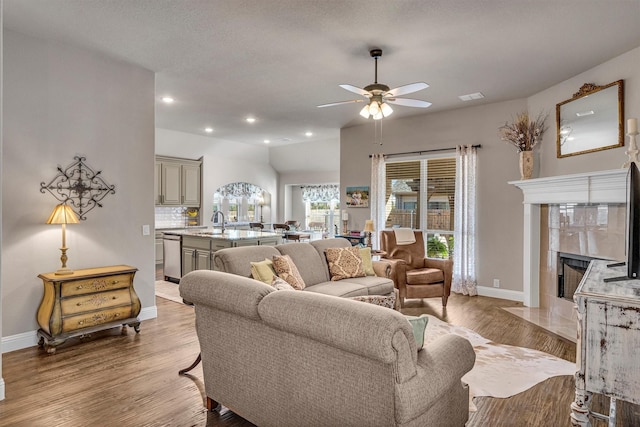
<point x="368" y="228"/>
<point x="63" y="214"/>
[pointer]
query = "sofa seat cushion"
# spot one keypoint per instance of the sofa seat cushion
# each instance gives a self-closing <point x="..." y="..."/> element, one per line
<point x="341" y="288"/>
<point x="421" y="276"/>
<point x="375" y="285"/>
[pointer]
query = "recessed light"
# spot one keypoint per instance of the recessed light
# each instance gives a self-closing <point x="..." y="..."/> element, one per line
<point x="585" y="113"/>
<point x="309" y="133"/>
<point x="471" y="96"/>
<point x="266" y="141"/>
<point x="208" y="130"/>
<point x="251" y="119"/>
<point x="167" y="100"/>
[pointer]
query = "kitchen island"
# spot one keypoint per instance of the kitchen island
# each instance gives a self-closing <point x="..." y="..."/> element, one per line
<point x="198" y="246"/>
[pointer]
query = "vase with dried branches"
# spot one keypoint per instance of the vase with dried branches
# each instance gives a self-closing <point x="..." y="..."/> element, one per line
<point x="524" y="133"/>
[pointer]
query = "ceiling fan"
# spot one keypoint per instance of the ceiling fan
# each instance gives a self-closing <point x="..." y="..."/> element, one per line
<point x="379" y="96"/>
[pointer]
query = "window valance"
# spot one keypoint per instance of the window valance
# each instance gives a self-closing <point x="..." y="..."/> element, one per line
<point x="240" y="190"/>
<point x="320" y="193"/>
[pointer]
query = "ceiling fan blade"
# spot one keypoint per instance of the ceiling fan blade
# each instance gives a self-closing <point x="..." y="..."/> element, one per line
<point x="341" y="102"/>
<point x="408" y="102"/>
<point x="357" y="90"/>
<point x="410" y="88"/>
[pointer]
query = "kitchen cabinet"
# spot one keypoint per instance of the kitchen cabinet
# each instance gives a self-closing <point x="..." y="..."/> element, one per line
<point x="177" y="182"/>
<point x="196" y="252"/>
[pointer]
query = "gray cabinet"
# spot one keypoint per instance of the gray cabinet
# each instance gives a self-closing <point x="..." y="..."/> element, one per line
<point x="196" y="254"/>
<point x="177" y="182"/>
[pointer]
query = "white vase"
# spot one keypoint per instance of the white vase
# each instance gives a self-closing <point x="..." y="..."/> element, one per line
<point x="526" y="164"/>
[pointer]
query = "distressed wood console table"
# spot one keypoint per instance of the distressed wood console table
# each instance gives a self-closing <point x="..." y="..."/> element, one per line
<point x="608" y="341"/>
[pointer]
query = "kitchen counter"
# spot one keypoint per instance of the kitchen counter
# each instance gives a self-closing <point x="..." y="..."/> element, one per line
<point x="191" y="249"/>
<point x="228" y="235"/>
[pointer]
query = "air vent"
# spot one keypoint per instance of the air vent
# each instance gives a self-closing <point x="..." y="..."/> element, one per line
<point x="471" y="96"/>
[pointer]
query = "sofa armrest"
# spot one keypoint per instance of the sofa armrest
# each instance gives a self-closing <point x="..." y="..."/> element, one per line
<point x="441" y="366"/>
<point x="446" y="265"/>
<point x="382" y="269"/>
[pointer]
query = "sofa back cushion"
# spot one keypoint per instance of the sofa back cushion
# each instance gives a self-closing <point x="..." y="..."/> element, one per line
<point x="312" y="267"/>
<point x="322" y="245"/>
<point x="238" y="260"/>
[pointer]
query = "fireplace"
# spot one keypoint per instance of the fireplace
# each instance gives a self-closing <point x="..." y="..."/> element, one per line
<point x="603" y="187"/>
<point x="571" y="268"/>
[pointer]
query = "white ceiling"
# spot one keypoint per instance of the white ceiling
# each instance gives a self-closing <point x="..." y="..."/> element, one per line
<point x="223" y="60"/>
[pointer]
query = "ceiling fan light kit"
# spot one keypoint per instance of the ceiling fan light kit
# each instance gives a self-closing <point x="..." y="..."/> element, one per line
<point x="379" y="96"/>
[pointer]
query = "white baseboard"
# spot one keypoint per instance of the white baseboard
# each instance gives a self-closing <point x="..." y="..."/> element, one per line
<point x="507" y="294"/>
<point x="30" y="338"/>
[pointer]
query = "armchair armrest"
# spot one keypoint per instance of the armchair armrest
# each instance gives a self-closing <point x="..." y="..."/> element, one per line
<point x="441" y="366"/>
<point x="446" y="265"/>
<point x="397" y="272"/>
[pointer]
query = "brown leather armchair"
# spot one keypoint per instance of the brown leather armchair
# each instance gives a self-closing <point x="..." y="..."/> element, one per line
<point x="414" y="275"/>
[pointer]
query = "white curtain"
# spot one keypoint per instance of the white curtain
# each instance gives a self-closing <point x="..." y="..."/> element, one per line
<point x="464" y="235"/>
<point x="377" y="197"/>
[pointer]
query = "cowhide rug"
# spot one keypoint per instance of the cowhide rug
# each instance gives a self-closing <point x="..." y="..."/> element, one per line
<point x="500" y="370"/>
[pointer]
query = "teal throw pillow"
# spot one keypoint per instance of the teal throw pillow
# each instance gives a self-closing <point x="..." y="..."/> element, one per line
<point x="419" y="324"/>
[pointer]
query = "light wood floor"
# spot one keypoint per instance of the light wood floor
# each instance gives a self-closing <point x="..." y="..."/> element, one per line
<point x="114" y="379"/>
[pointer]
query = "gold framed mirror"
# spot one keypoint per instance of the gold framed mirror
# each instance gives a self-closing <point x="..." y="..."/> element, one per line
<point x="592" y="120"/>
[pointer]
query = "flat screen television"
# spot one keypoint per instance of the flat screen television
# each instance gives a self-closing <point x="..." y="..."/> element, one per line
<point x="633" y="227"/>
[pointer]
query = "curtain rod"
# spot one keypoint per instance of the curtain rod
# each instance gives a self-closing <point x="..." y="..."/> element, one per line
<point x="424" y="151"/>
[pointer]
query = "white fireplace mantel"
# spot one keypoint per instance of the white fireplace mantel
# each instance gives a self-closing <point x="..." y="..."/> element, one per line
<point x="594" y="187"/>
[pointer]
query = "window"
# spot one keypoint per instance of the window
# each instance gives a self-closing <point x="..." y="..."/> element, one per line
<point x="415" y="184"/>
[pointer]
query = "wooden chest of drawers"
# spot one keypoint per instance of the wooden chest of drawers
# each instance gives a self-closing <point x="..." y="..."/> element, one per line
<point x="86" y="301"/>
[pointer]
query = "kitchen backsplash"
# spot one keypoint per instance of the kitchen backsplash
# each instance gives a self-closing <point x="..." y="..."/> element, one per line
<point x="176" y="216"/>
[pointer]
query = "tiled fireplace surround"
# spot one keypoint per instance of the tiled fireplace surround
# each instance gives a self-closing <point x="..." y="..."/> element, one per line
<point x="582" y="214"/>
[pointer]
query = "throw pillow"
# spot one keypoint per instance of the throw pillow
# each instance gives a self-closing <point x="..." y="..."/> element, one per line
<point x="281" y="285"/>
<point x="287" y="270"/>
<point x="419" y="324"/>
<point x="367" y="263"/>
<point x="388" y="301"/>
<point x="344" y="263"/>
<point x="263" y="271"/>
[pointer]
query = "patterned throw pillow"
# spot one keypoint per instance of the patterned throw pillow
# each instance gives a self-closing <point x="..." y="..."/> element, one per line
<point x="281" y="284"/>
<point x="263" y="271"/>
<point x="287" y="270"/>
<point x="388" y="301"/>
<point x="367" y="263"/>
<point x="344" y="263"/>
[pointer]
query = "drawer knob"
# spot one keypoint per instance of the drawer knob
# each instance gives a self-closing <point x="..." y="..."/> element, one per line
<point x="114" y="282"/>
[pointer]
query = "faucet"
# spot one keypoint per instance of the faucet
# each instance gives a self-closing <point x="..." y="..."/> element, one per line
<point x="214" y="216"/>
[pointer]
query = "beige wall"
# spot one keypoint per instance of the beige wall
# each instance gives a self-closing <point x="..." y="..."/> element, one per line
<point x="500" y="218"/>
<point x="60" y="102"/>
<point x="623" y="67"/>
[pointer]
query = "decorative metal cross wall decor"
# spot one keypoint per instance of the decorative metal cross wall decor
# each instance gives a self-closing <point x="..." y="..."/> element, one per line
<point x="78" y="186"/>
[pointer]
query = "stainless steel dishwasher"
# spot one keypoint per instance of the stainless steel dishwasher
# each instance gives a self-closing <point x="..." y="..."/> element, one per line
<point x="172" y="247"/>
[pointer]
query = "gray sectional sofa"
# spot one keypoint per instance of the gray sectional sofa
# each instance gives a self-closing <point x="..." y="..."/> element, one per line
<point x="294" y="358"/>
<point x="310" y="260"/>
